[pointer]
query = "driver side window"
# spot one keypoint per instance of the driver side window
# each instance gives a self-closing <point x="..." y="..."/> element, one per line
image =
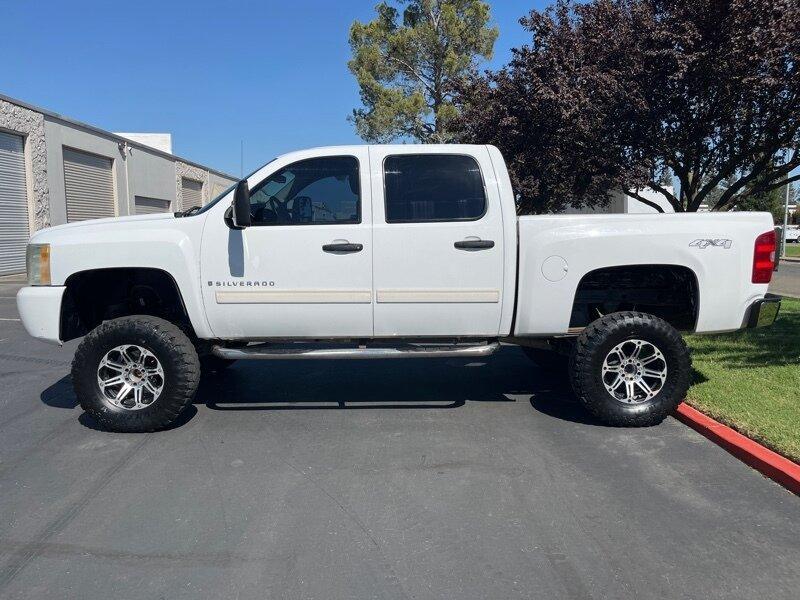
<point x="309" y="192"/>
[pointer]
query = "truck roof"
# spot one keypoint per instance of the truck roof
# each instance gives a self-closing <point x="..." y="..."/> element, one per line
<point x="420" y="147"/>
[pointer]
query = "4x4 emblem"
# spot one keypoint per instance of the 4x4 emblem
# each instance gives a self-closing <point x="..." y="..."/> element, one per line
<point x="706" y="243"/>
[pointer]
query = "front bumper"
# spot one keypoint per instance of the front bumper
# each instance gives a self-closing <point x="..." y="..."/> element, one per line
<point x="763" y="312"/>
<point x="40" y="310"/>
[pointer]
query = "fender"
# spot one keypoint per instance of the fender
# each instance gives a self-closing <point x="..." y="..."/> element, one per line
<point x="159" y="242"/>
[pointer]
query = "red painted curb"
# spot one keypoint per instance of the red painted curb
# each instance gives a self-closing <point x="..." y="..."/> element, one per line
<point x="778" y="468"/>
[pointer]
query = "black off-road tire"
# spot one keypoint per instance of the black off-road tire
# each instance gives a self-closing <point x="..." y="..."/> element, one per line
<point x="171" y="347"/>
<point x="591" y="349"/>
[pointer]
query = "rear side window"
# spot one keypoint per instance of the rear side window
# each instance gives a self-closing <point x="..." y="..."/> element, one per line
<point x="433" y="187"/>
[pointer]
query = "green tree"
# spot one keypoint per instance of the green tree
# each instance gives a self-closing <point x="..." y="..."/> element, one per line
<point x="770" y="201"/>
<point x="757" y="196"/>
<point x="407" y="66"/>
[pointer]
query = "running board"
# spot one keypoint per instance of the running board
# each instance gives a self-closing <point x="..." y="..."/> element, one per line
<point x="296" y="352"/>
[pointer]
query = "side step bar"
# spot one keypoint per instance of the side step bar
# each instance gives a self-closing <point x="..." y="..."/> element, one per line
<point x="297" y="352"/>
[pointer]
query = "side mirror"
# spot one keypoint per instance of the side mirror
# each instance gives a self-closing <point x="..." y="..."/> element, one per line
<point x="241" y="205"/>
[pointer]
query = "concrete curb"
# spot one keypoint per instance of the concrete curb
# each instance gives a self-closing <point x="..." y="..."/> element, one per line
<point x="791" y="259"/>
<point x="778" y="468"/>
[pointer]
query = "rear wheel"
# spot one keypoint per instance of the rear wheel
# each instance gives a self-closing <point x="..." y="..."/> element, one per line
<point x="135" y="374"/>
<point x="630" y="369"/>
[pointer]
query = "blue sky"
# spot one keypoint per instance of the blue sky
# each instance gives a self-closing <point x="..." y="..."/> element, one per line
<point x="271" y="73"/>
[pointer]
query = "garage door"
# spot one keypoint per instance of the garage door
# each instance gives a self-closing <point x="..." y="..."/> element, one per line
<point x="13" y="205"/>
<point x="89" y="186"/>
<point x="192" y="193"/>
<point x="147" y="206"/>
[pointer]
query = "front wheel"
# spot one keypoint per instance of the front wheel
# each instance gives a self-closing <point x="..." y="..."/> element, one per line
<point x="135" y="374"/>
<point x="630" y="369"/>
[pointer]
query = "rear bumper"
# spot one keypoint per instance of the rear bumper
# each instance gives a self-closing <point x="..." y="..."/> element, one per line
<point x="40" y="311"/>
<point x="763" y="312"/>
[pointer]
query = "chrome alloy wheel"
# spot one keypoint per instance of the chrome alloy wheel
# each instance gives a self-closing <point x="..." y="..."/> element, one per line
<point x="130" y="377"/>
<point x="634" y="371"/>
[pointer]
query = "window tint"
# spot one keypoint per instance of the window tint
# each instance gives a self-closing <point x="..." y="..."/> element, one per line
<point x="313" y="191"/>
<point x="433" y="187"/>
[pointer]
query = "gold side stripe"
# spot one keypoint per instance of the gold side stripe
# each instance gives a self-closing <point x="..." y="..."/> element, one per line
<point x="296" y="297"/>
<point x="438" y="296"/>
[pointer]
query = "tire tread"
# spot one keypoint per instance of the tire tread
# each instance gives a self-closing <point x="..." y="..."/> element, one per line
<point x="589" y="389"/>
<point x="183" y="357"/>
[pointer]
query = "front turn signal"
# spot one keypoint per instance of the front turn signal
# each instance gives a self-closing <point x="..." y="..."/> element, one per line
<point x="38" y="263"/>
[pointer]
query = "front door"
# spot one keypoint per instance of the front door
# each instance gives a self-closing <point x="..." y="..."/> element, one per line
<point x="304" y="267"/>
<point x="438" y="242"/>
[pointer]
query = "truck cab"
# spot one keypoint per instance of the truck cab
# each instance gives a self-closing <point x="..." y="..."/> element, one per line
<point x="371" y="241"/>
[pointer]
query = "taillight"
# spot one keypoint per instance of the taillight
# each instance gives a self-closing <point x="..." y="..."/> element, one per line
<point x="764" y="257"/>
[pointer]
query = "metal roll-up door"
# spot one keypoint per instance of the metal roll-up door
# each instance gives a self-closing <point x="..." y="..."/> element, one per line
<point x="14" y="231"/>
<point x="148" y="206"/>
<point x="192" y="193"/>
<point x="89" y="186"/>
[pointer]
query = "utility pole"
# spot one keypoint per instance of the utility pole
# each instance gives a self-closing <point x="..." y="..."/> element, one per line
<point x="785" y="220"/>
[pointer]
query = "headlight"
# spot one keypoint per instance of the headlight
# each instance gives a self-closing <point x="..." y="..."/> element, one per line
<point x="38" y="259"/>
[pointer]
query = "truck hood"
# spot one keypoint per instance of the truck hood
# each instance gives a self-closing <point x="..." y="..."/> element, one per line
<point x="51" y="234"/>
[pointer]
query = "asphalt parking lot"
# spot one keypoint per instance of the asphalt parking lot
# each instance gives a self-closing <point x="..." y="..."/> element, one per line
<point x="396" y="479"/>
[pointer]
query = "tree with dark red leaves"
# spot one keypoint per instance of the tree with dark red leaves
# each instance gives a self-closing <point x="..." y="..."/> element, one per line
<point x="627" y="94"/>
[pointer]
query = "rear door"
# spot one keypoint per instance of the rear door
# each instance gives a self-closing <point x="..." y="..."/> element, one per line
<point x="149" y="206"/>
<point x="13" y="204"/>
<point x="192" y="192"/>
<point x="437" y="242"/>
<point x="89" y="186"/>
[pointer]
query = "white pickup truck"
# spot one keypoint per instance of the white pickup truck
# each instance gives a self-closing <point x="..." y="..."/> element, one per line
<point x="396" y="251"/>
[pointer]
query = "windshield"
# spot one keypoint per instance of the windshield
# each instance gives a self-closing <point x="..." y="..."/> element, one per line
<point x="228" y="191"/>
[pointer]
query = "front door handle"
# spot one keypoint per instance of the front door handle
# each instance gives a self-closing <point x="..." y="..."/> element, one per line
<point x="342" y="247"/>
<point x="474" y="244"/>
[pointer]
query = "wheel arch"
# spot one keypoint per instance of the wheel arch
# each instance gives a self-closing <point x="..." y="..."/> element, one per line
<point x="95" y="295"/>
<point x="668" y="291"/>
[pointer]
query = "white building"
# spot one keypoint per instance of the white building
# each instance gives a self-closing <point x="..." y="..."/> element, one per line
<point x="622" y="203"/>
<point x="56" y="170"/>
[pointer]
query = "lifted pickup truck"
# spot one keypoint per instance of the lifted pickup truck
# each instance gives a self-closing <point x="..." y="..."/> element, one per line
<point x="399" y="251"/>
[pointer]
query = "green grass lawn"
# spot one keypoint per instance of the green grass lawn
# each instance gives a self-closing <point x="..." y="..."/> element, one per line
<point x="750" y="380"/>
<point x="793" y="250"/>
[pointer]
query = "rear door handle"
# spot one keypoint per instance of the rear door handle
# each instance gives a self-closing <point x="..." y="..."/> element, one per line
<point x="342" y="247"/>
<point x="474" y="244"/>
